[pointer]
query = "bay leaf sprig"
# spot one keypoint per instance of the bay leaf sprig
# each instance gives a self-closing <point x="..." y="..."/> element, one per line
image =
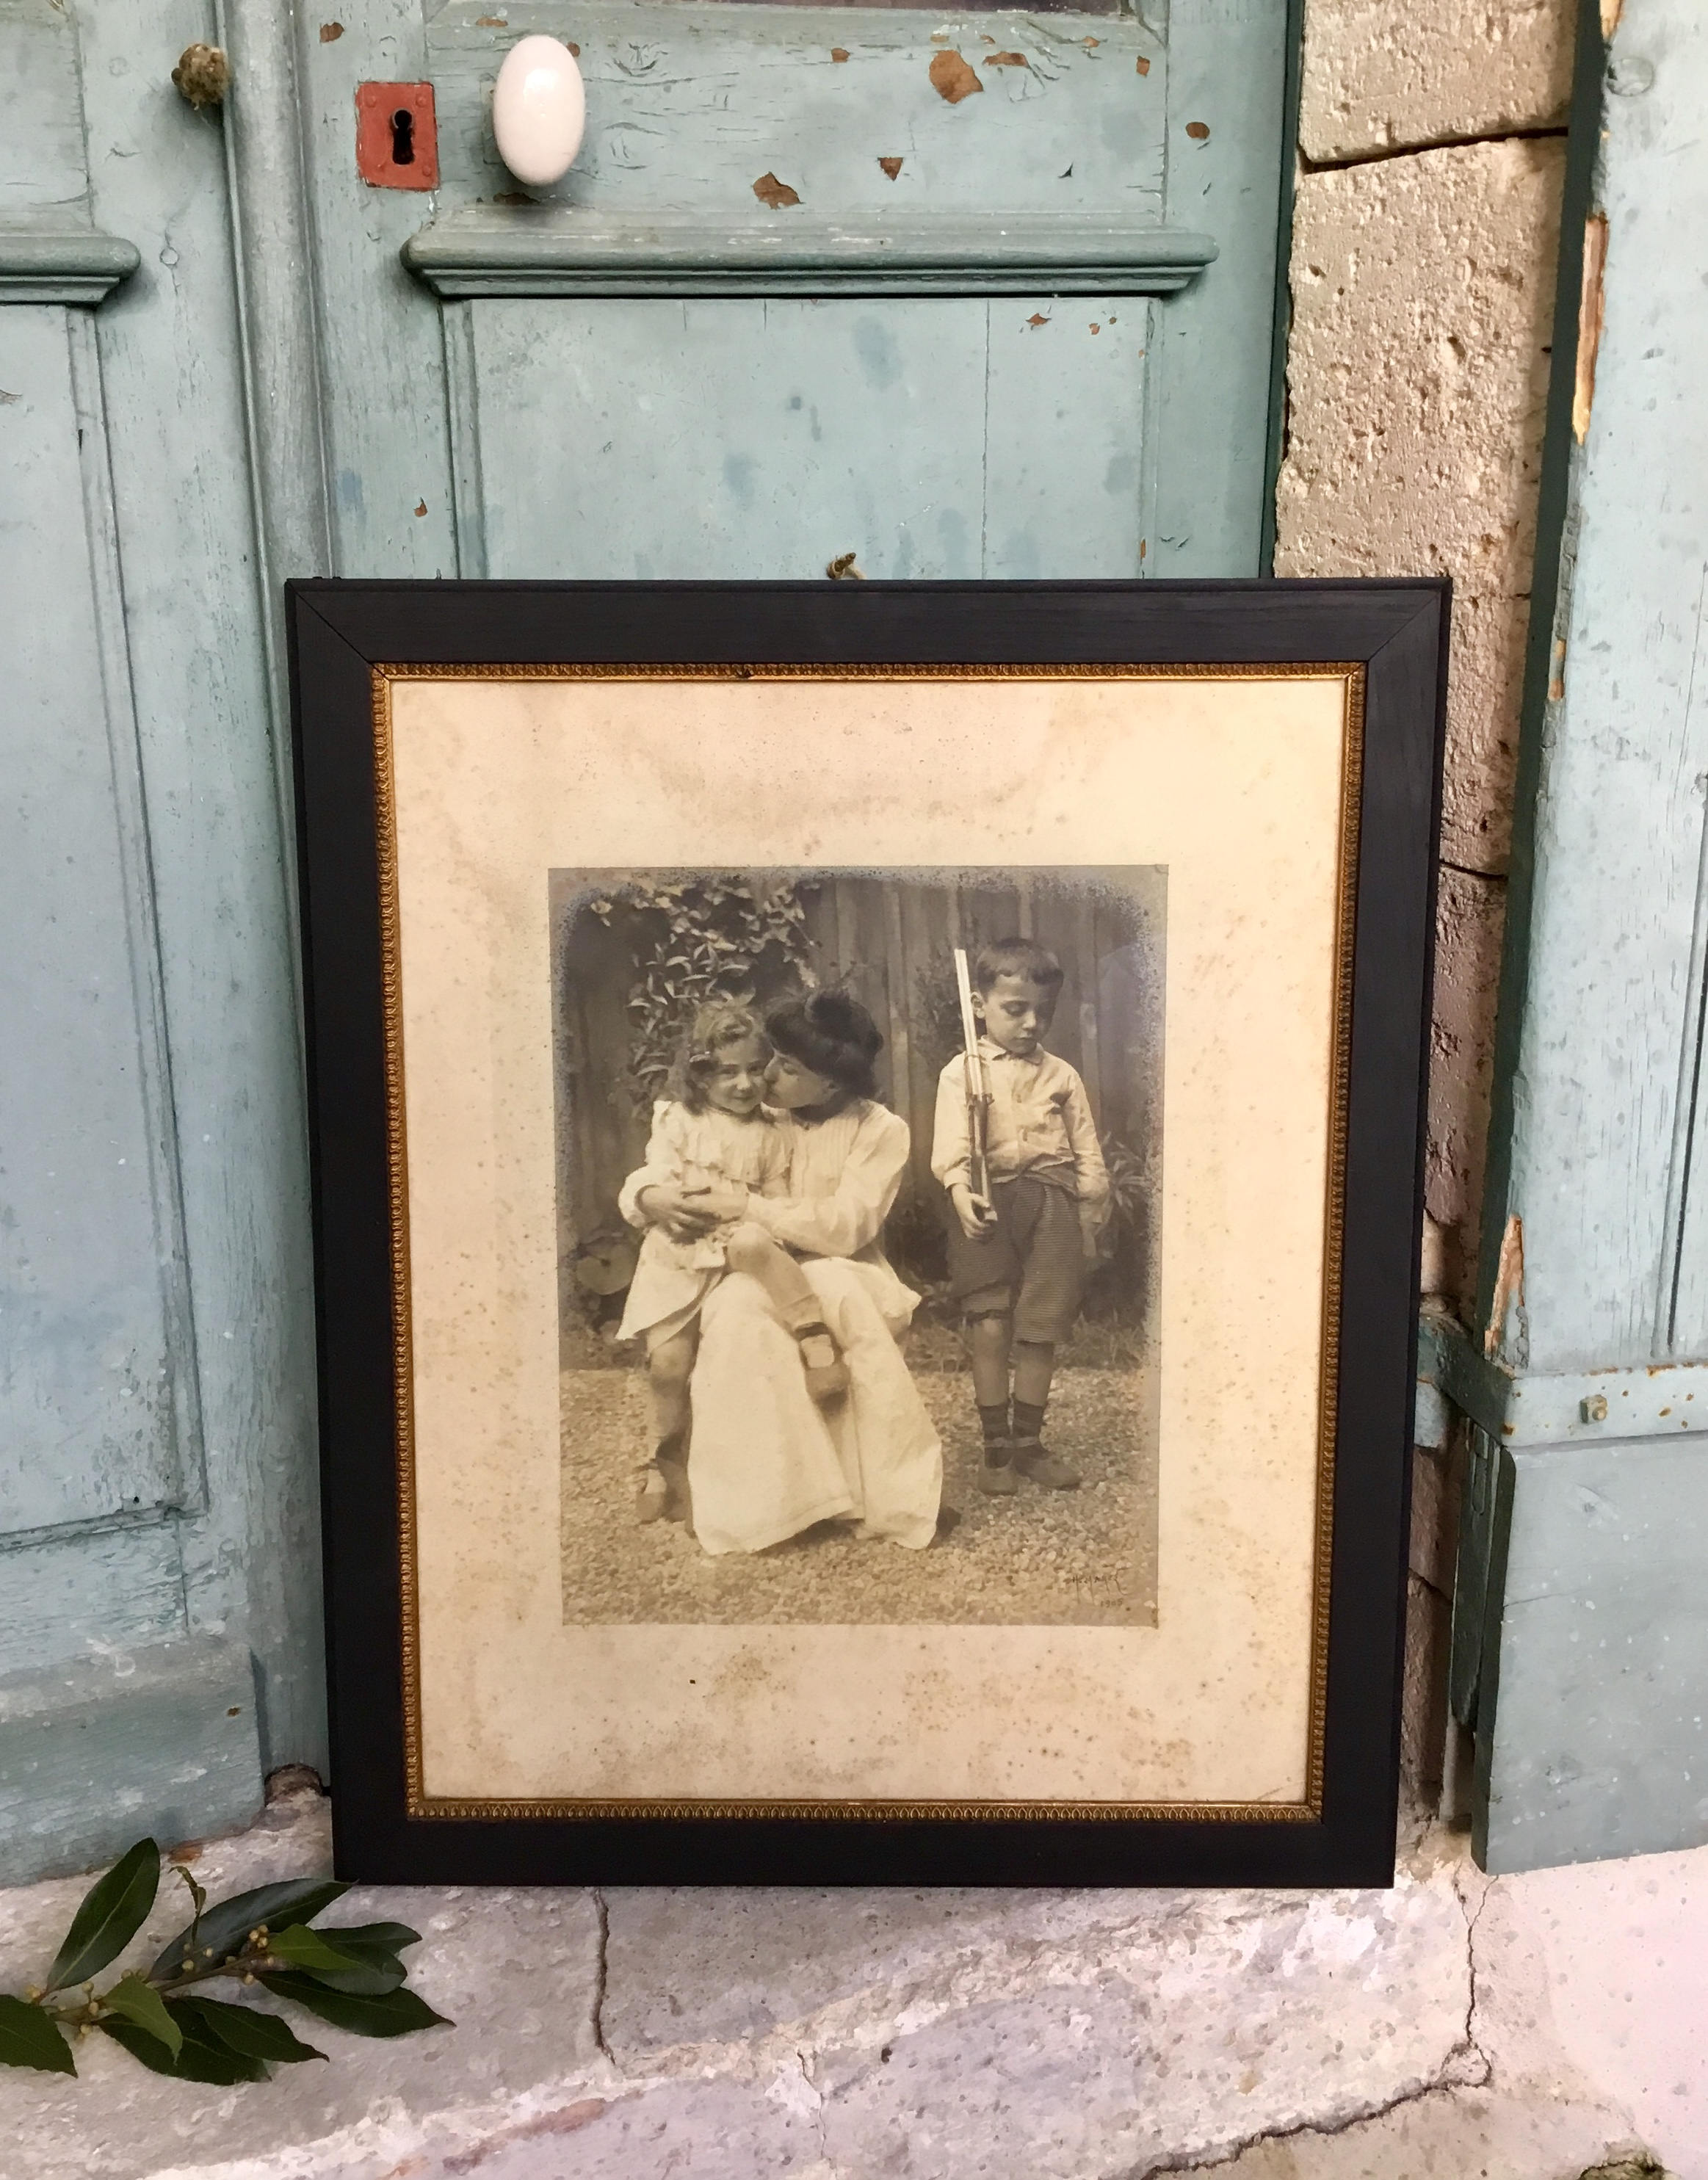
<point x="353" y="1978"/>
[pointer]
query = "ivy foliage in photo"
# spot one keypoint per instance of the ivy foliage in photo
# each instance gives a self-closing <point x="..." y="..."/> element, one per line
<point x="719" y="935"/>
<point x="352" y="1977"/>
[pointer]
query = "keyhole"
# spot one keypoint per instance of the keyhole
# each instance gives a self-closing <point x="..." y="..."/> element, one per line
<point x="403" y="138"/>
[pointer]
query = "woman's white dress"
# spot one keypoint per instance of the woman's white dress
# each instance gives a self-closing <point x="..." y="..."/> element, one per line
<point x="765" y="1461"/>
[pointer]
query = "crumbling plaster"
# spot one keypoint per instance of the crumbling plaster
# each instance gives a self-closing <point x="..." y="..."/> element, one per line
<point x="1425" y="234"/>
<point x="1528" y="2027"/>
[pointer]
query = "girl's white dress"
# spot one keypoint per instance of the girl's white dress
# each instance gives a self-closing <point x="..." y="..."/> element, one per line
<point x="693" y="1150"/>
<point x="765" y="1461"/>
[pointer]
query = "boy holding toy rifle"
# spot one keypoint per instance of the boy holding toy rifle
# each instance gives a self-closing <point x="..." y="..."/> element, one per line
<point x="1016" y="1147"/>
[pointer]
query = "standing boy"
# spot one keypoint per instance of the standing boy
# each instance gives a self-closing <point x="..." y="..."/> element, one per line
<point x="1017" y="1257"/>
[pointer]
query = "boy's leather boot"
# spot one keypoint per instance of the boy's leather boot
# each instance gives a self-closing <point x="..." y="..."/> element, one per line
<point x="996" y="1473"/>
<point x="1034" y="1459"/>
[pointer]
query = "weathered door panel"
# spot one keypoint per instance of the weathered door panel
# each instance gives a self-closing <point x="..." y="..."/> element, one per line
<point x="172" y="342"/>
<point x="383" y="425"/>
<point x="93" y="1590"/>
<point x="1215" y="340"/>
<point x="41" y="145"/>
<point x="96" y="1373"/>
<point x="690" y="105"/>
<point x="156" y="1357"/>
<point x="1068" y="467"/>
<point x="1590" y="1682"/>
<point x="1049" y="377"/>
<point x="1681" y="1306"/>
<point x="675" y="438"/>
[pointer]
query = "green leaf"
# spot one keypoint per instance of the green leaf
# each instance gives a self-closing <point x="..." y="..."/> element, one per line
<point x="370" y="1950"/>
<point x="201" y="2057"/>
<point x="373" y="1969"/>
<point x="299" y="1947"/>
<point x="114" y="1909"/>
<point x="141" y="2045"/>
<point x="140" y="2003"/>
<point x="193" y="2062"/>
<point x="205" y="2058"/>
<point x="31" y="2038"/>
<point x="393" y="2013"/>
<point x="225" y="1929"/>
<point x="388" y="1937"/>
<point x="244" y="2029"/>
<point x="198" y="1898"/>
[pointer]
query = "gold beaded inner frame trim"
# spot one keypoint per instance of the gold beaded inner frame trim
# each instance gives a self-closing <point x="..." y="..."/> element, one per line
<point x="1350" y="674"/>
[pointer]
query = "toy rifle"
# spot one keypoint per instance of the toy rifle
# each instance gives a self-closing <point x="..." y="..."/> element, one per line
<point x="978" y="1086"/>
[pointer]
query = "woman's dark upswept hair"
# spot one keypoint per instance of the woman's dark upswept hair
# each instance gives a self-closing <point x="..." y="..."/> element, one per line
<point x="832" y="1033"/>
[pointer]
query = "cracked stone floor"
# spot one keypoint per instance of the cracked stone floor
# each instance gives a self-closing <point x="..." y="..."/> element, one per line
<point x="1455" y="2027"/>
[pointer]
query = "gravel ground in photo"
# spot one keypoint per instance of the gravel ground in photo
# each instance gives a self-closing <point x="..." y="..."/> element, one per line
<point x="1086" y="1556"/>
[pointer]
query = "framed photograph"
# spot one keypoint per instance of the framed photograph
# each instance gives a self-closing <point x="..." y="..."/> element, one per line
<point x="867" y="1182"/>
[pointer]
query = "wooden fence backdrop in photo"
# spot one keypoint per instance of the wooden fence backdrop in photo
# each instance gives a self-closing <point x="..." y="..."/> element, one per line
<point x="890" y="941"/>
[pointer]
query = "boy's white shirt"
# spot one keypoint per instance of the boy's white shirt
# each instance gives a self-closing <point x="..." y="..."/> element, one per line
<point x="1040" y="1117"/>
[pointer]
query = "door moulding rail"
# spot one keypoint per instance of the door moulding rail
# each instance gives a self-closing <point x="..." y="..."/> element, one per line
<point x="73" y="265"/>
<point x="489" y="250"/>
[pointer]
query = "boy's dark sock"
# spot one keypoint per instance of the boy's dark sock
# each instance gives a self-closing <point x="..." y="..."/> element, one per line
<point x="994" y="1421"/>
<point x="1028" y="1421"/>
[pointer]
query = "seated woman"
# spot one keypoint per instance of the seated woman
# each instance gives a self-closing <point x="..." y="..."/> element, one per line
<point x="711" y="1132"/>
<point x="766" y="1461"/>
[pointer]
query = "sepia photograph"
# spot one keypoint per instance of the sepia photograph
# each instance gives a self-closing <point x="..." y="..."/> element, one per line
<point x="858" y="1201"/>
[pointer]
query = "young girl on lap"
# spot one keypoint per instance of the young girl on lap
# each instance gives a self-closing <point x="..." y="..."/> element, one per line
<point x="712" y="1143"/>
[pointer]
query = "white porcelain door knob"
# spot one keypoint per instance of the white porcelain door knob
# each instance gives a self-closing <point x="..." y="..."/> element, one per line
<point x="539" y="110"/>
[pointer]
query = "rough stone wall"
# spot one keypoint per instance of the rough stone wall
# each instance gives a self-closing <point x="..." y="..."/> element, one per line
<point x="1383" y="75"/>
<point x="1432" y="155"/>
<point x="1427" y="223"/>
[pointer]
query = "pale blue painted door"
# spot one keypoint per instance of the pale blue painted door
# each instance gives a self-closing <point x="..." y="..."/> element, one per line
<point x="1580" y="1632"/>
<point x="1026" y="331"/>
<point x="158" y="1619"/>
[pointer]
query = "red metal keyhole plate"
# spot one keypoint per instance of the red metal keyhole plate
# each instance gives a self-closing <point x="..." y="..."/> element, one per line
<point x="377" y="136"/>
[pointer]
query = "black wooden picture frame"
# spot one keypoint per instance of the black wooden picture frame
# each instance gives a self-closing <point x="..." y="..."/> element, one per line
<point x="341" y="633"/>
